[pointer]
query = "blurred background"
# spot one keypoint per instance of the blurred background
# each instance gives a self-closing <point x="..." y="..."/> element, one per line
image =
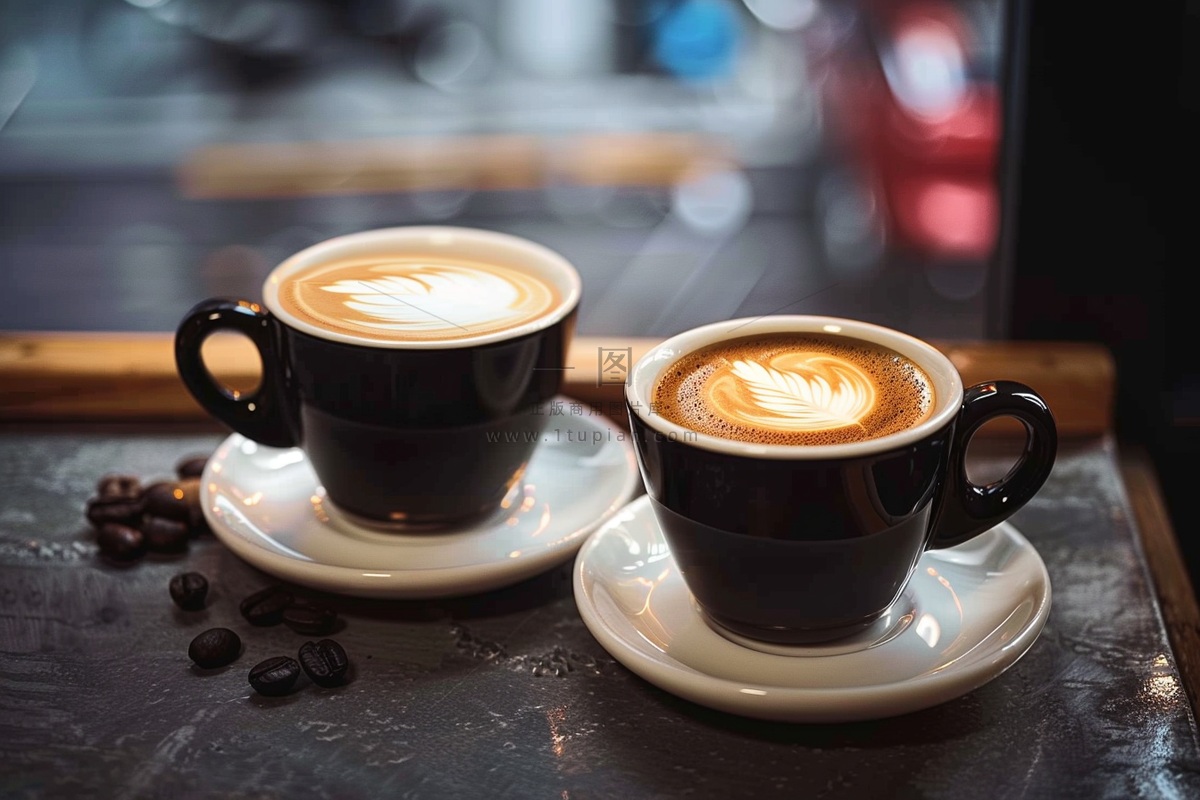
<point x="957" y="169"/>
<point x="696" y="159"/>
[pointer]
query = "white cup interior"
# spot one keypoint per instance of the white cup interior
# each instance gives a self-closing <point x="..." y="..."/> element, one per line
<point x="947" y="384"/>
<point x="467" y="243"/>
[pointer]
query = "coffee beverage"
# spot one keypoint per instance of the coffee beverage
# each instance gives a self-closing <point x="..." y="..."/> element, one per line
<point x="795" y="389"/>
<point x="811" y="543"/>
<point x="408" y="363"/>
<point x="416" y="297"/>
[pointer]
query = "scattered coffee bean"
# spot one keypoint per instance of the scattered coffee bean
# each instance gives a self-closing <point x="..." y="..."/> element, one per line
<point x="191" y="496"/>
<point x="168" y="499"/>
<point x="188" y="590"/>
<point x="164" y="535"/>
<point x="191" y="467"/>
<point x="121" y="542"/>
<point x="266" y="607"/>
<point x="103" y="510"/>
<point x="214" y="648"/>
<point x="310" y="620"/>
<point x="199" y="526"/>
<point x="125" y="487"/>
<point x="324" y="662"/>
<point x="275" y="676"/>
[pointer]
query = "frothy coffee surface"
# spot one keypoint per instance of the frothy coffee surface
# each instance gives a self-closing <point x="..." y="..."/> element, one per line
<point x="416" y="297"/>
<point x="795" y="389"/>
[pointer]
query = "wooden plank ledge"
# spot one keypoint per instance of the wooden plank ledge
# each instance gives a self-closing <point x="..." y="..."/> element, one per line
<point x="483" y="162"/>
<point x="1172" y="585"/>
<point x="131" y="376"/>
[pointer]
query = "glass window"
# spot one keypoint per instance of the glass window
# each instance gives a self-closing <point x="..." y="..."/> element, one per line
<point x="696" y="159"/>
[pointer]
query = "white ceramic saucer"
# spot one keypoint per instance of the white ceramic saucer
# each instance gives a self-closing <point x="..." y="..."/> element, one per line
<point x="967" y="615"/>
<point x="268" y="507"/>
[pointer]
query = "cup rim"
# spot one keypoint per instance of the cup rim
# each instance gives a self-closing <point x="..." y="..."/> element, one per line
<point x="947" y="384"/>
<point x="435" y="236"/>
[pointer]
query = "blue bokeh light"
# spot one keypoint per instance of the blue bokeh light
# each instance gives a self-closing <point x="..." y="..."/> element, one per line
<point x="697" y="39"/>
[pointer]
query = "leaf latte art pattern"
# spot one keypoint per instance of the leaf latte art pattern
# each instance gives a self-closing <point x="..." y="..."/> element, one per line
<point x="794" y="392"/>
<point x="795" y="388"/>
<point x="417" y="298"/>
<point x="435" y="298"/>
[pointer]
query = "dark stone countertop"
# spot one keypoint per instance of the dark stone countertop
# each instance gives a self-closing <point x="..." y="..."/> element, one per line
<point x="507" y="694"/>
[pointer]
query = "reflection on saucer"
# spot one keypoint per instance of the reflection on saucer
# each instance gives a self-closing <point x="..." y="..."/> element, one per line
<point x="267" y="506"/>
<point x="891" y="624"/>
<point x="966" y="616"/>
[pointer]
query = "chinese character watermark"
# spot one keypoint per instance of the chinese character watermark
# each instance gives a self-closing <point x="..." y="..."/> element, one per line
<point x="614" y="365"/>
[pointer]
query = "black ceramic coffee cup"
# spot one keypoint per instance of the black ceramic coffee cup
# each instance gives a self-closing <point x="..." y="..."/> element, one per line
<point x="401" y="433"/>
<point x="797" y="544"/>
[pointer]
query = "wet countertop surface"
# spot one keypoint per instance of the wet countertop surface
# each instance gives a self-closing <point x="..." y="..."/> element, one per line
<point x="508" y="695"/>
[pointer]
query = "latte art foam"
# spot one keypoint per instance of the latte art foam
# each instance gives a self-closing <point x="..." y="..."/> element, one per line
<point x="795" y="389"/>
<point x="792" y="392"/>
<point x="416" y="298"/>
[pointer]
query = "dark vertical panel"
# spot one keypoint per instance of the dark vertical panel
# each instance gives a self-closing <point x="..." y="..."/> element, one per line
<point x="1099" y="207"/>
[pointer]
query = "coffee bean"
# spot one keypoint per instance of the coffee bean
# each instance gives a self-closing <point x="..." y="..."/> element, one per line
<point x="103" y="510"/>
<point x="214" y="648"/>
<point x="125" y="487"/>
<point x="275" y="676"/>
<point x="121" y="542"/>
<point x="191" y="495"/>
<point x="168" y="499"/>
<point x="191" y="467"/>
<point x="188" y="590"/>
<point x="310" y="620"/>
<point x="180" y="501"/>
<point x="164" y="535"/>
<point x="199" y="526"/>
<point x="324" y="662"/>
<point x="266" y="607"/>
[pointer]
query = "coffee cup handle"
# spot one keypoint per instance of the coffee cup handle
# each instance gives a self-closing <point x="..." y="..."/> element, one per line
<point x="260" y="415"/>
<point x="968" y="509"/>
